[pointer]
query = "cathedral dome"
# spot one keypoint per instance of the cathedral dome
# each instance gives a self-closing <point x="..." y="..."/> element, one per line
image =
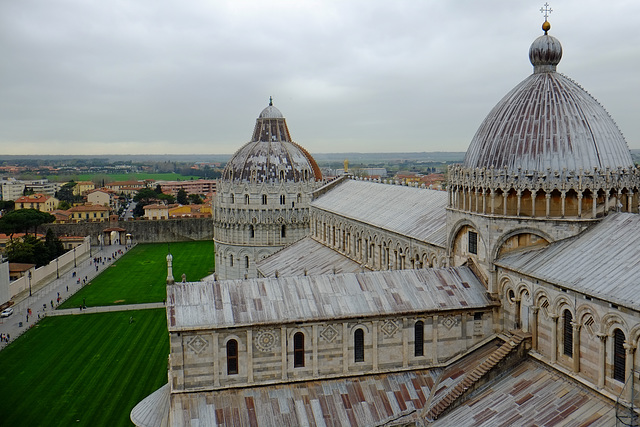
<point x="271" y="155"/>
<point x="548" y="122"/>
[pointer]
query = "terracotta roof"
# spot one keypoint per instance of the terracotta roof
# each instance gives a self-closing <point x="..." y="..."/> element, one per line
<point x="33" y="198"/>
<point x="88" y="208"/>
<point x="155" y="206"/>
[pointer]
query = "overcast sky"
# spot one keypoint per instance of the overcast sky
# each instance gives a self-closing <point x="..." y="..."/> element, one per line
<point x="169" y="76"/>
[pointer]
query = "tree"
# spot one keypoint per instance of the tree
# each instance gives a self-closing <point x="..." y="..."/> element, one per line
<point x="195" y="199"/>
<point x="29" y="250"/>
<point x="53" y="244"/>
<point x="182" y="197"/>
<point x="23" y="220"/>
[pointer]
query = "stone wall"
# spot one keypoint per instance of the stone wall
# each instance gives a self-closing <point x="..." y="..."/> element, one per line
<point x="142" y="231"/>
<point x="266" y="353"/>
<point x="539" y="307"/>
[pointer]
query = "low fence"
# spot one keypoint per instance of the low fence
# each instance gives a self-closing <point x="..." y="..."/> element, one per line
<point x="56" y="267"/>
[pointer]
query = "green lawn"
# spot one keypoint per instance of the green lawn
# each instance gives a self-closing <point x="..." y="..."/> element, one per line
<point x="140" y="276"/>
<point x="86" y="370"/>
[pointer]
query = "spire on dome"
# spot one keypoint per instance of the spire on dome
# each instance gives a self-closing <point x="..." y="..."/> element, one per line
<point x="546" y="51"/>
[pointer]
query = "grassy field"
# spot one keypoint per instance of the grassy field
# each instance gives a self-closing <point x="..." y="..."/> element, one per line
<point x="87" y="370"/>
<point x="140" y="276"/>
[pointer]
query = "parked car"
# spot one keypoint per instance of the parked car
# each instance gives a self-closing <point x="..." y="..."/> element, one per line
<point x="7" y="312"/>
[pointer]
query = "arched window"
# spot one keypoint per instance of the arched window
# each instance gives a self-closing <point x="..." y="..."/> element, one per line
<point x="281" y="175"/>
<point x="264" y="199"/>
<point x="298" y="350"/>
<point x="232" y="198"/>
<point x="246" y="199"/>
<point x="282" y="199"/>
<point x="251" y="231"/>
<point x="230" y="260"/>
<point x="232" y="357"/>
<point x="299" y="197"/>
<point x="619" y="356"/>
<point x="358" y="343"/>
<point x="568" y="334"/>
<point x="246" y="262"/>
<point x="418" y="332"/>
<point x="283" y="231"/>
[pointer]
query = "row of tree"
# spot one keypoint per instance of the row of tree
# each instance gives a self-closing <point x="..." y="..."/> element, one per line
<point x="30" y="249"/>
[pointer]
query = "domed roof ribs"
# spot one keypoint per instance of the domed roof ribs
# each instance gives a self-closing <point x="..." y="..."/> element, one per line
<point x="272" y="151"/>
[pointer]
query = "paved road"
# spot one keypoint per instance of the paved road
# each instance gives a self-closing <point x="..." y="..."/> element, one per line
<point x="44" y="297"/>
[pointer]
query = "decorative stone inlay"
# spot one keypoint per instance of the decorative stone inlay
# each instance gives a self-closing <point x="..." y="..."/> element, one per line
<point x="329" y="333"/>
<point x="389" y="327"/>
<point x="449" y="322"/>
<point x="197" y="344"/>
<point x="266" y="340"/>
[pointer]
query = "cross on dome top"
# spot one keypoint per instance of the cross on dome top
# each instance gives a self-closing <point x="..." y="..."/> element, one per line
<point x="546" y="10"/>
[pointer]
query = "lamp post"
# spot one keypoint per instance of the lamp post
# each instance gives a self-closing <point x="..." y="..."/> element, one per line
<point x="29" y="282"/>
<point x="74" y="256"/>
<point x="57" y="270"/>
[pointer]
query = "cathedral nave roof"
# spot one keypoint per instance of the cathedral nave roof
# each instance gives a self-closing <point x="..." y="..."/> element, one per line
<point x="307" y="257"/>
<point x="413" y="212"/>
<point x="603" y="261"/>
<point x="238" y="303"/>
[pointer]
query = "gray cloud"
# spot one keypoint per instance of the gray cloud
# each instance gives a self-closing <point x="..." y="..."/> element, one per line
<point x="155" y="76"/>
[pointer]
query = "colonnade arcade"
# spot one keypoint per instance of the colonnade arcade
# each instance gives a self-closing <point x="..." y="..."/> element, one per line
<point x="586" y="337"/>
<point x="373" y="247"/>
<point x="550" y="194"/>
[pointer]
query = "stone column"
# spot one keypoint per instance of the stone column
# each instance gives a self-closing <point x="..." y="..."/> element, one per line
<point x="547" y="197"/>
<point x="554" y="337"/>
<point x="602" y="359"/>
<point x="493" y="202"/>
<point x="216" y="359"/>
<point x="484" y="201"/>
<point x="519" y="197"/>
<point x="504" y="204"/>
<point x="630" y="349"/>
<point x="576" y="346"/>
<point x="464" y="199"/>
<point x="563" y="196"/>
<point x="630" y="201"/>
<point x="345" y="348"/>
<point x="434" y="339"/>
<point x="374" y="344"/>
<point x="580" y="204"/>
<point x="249" y="356"/>
<point x="533" y="203"/>
<point x="405" y="342"/>
<point x="594" y="203"/>
<point x="534" y="327"/>
<point x="314" y="344"/>
<point x="283" y="349"/>
<point x="476" y="206"/>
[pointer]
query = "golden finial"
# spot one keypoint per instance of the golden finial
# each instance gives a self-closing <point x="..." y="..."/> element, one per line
<point x="546" y="11"/>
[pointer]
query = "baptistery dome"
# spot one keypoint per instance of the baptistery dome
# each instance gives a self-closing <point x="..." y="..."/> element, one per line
<point x="271" y="155"/>
<point x="548" y="122"/>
